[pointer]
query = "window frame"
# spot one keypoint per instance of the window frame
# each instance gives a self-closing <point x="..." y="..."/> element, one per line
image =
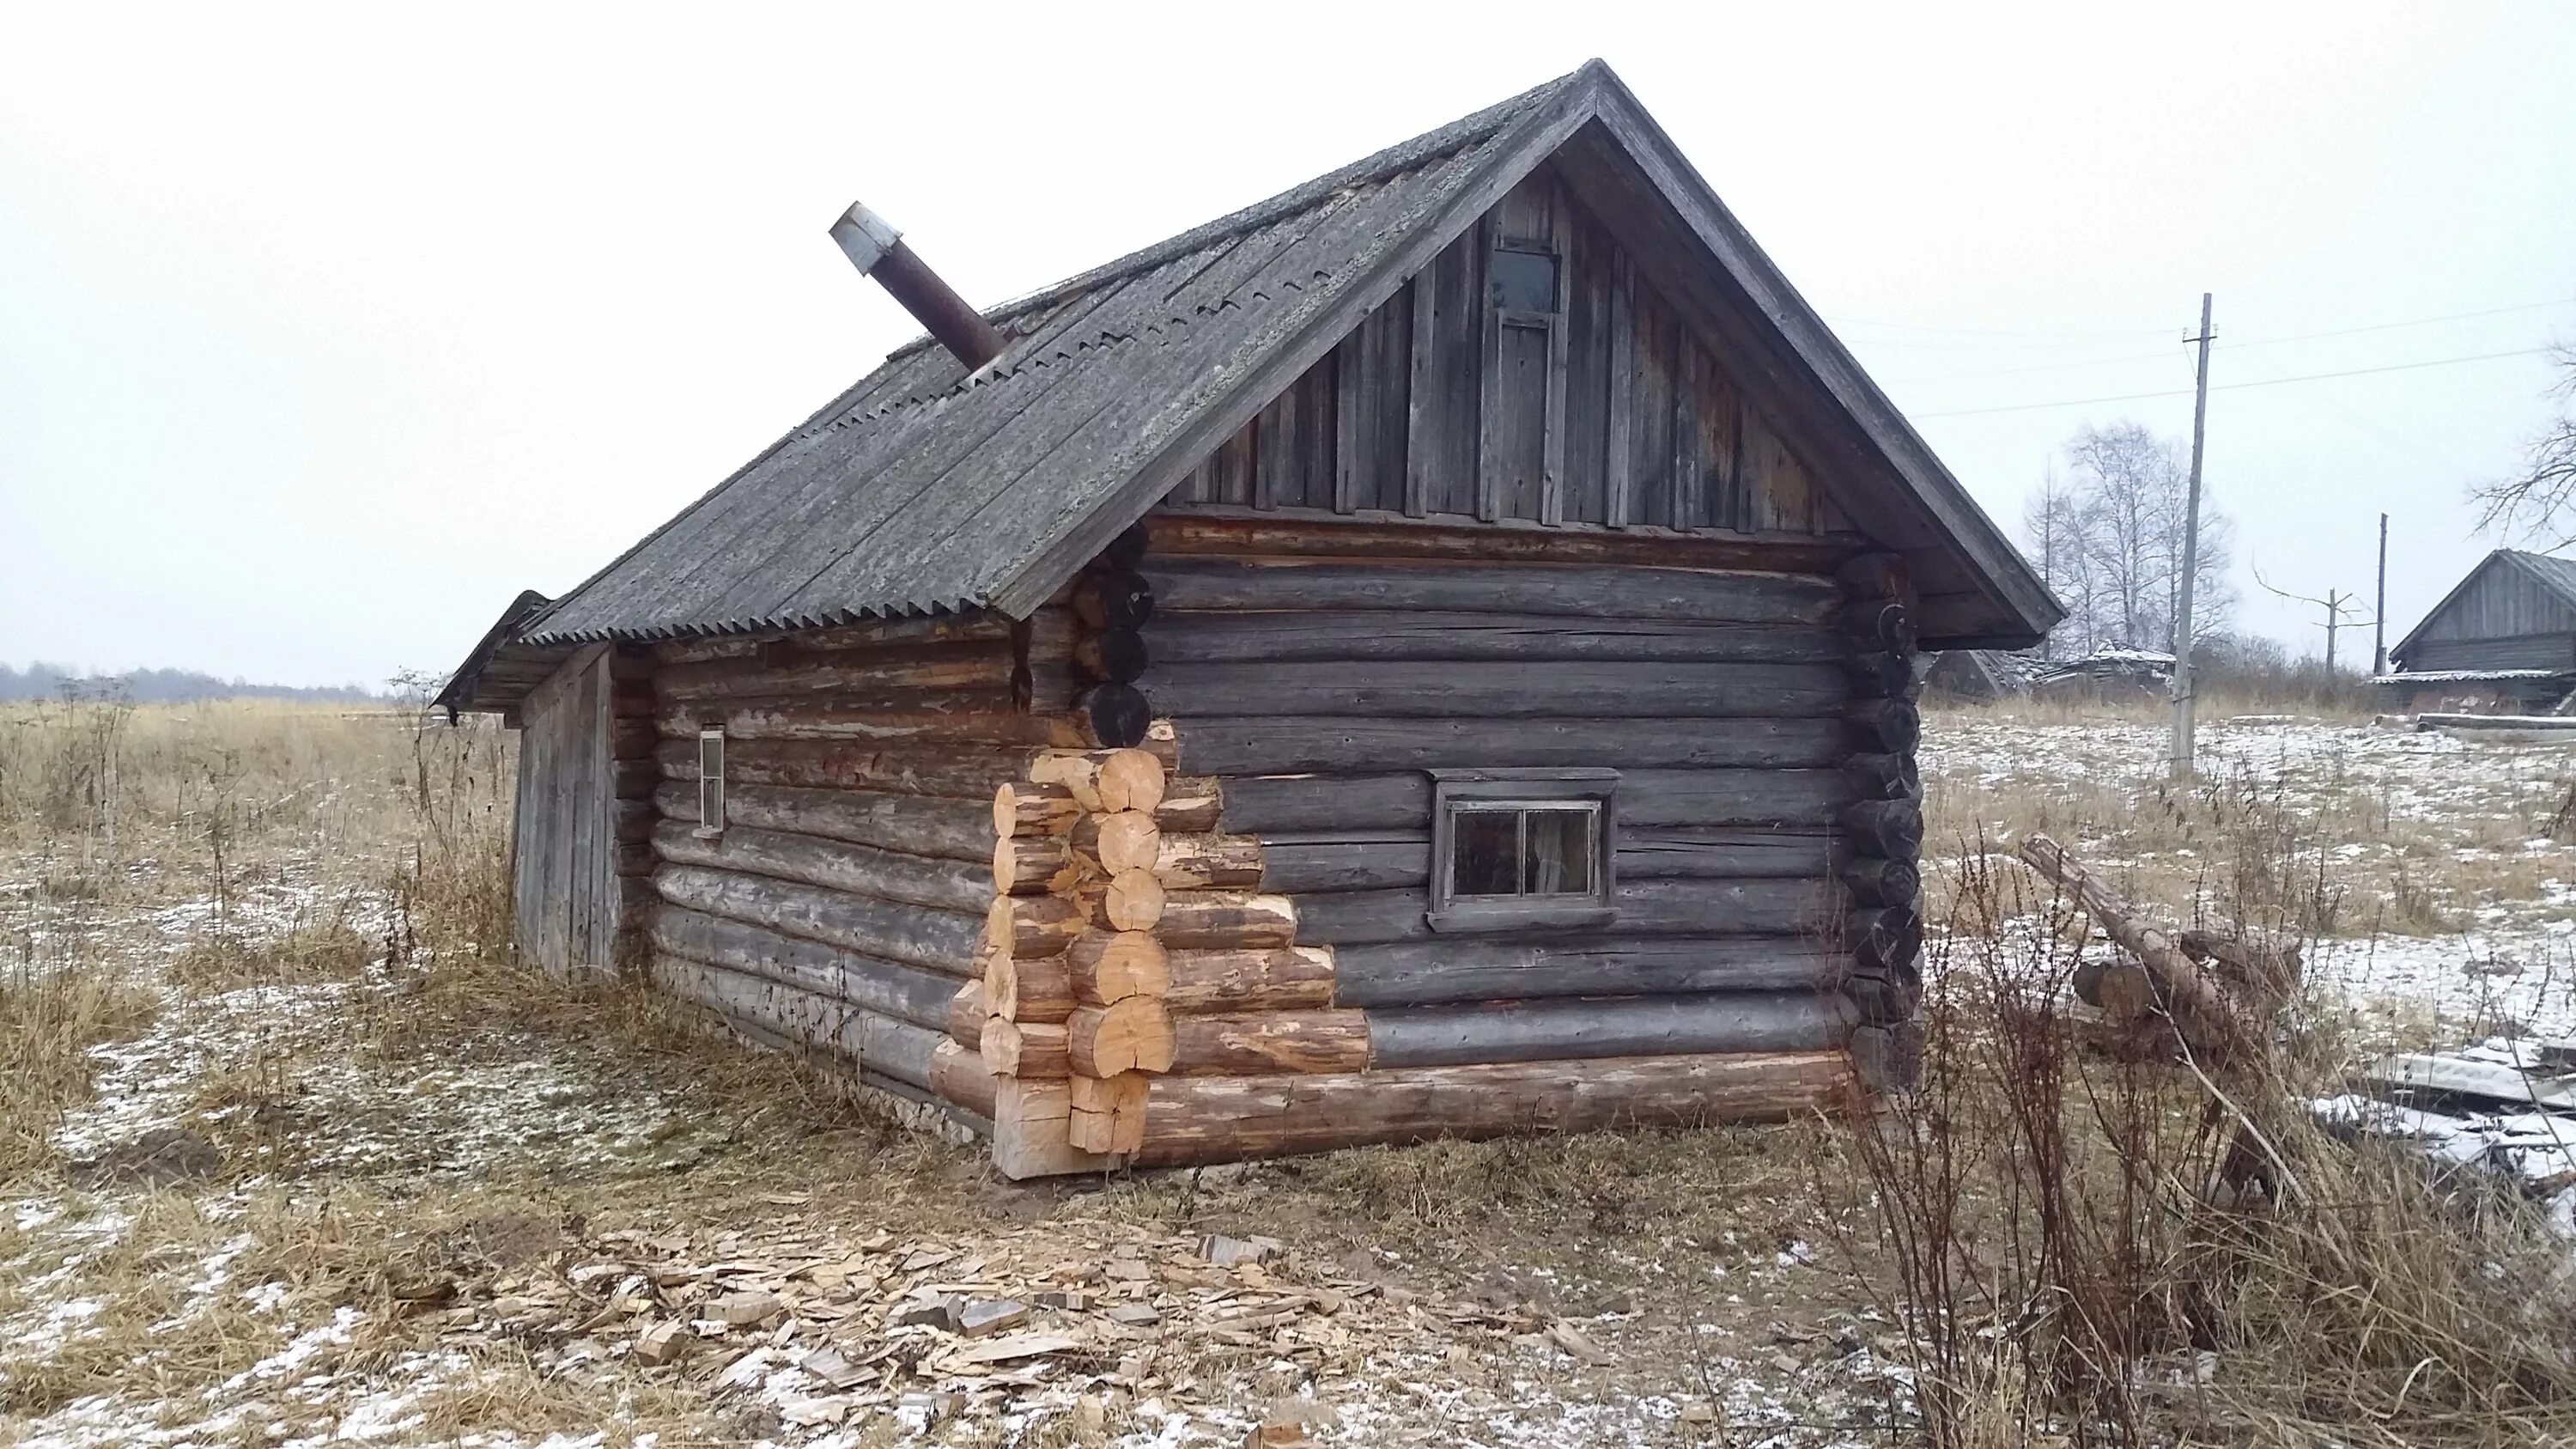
<point x="1452" y="790"/>
<point x="711" y="822"/>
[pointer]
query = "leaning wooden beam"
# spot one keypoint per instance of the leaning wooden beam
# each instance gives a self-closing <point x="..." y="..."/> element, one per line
<point x="1214" y="1119"/>
<point x="2208" y="1017"/>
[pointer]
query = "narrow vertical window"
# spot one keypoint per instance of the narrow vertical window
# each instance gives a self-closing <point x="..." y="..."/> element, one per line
<point x="711" y="782"/>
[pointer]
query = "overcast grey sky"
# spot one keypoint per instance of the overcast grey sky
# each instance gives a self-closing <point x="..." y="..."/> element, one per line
<point x="322" y="333"/>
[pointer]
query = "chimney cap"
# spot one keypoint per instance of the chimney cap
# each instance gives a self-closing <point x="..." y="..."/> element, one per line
<point x="865" y="237"/>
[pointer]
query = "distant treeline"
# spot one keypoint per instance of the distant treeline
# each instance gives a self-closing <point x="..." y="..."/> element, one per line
<point x="161" y="686"/>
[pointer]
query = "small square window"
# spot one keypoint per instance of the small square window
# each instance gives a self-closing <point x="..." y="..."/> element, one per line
<point x="711" y="782"/>
<point x="1521" y="848"/>
<point x="1521" y="281"/>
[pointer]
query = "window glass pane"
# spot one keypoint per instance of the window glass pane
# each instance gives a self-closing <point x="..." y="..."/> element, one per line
<point x="1485" y="853"/>
<point x="1560" y="852"/>
<point x="1523" y="281"/>
<point x="711" y="807"/>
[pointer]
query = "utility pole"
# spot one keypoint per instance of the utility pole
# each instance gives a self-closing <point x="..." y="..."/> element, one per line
<point x="2334" y="616"/>
<point x="2379" y="609"/>
<point x="2182" y="744"/>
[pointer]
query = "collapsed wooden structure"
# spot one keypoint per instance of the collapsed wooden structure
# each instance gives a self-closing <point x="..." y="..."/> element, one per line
<point x="1428" y="654"/>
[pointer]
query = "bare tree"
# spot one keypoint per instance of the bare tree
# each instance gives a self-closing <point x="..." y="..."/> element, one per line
<point x="2110" y="537"/>
<point x="2538" y="503"/>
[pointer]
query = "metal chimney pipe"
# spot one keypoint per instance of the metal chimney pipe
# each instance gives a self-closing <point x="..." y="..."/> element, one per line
<point x="876" y="248"/>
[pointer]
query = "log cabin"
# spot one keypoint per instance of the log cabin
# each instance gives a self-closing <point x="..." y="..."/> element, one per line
<point x="2502" y="641"/>
<point x="1431" y="653"/>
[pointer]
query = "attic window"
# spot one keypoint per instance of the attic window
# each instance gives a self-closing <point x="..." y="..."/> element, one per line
<point x="1521" y="848"/>
<point x="711" y="782"/>
<point x="1522" y="281"/>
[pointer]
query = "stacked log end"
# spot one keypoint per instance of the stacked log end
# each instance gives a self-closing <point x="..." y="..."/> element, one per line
<point x="1882" y="832"/>
<point x="1109" y="603"/>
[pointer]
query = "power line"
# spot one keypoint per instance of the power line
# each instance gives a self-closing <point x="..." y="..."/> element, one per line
<point x="2418" y="322"/>
<point x="2230" y="386"/>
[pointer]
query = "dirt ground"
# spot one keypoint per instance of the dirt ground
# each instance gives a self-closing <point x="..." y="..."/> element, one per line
<point x="294" y="1167"/>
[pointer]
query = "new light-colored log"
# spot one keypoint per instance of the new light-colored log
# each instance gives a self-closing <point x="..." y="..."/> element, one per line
<point x="1032" y="926"/>
<point x="1283" y="978"/>
<point x="1033" y="865"/>
<point x="1191" y="805"/>
<point x="1110" y="966"/>
<point x="1215" y="1119"/>
<point x="1108" y="1112"/>
<point x="1078" y="771"/>
<point x="1024" y="1049"/>
<point x="1227" y="920"/>
<point x="1134" y="1035"/>
<point x="1257" y="1043"/>
<point x="1027" y="807"/>
<point x="1028" y="988"/>
<point x="1205" y="862"/>
<point x="1132" y="779"/>
<point x="957" y="1075"/>
<point x="1119" y="840"/>
<point x="1135" y="901"/>
<point x="967" y="1013"/>
<point x="1031" y="1130"/>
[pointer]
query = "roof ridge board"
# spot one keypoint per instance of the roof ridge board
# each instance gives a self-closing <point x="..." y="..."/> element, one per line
<point x="1406" y="155"/>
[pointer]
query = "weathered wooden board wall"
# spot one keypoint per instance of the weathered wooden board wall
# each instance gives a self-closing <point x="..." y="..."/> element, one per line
<point x="2503" y="618"/>
<point x="1605" y="411"/>
<point x="567" y="861"/>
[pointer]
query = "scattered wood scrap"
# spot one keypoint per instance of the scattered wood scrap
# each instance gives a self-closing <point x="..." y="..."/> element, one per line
<point x="2501" y="1111"/>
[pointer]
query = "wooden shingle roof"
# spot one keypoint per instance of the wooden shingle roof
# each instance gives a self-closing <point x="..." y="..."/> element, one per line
<point x="924" y="490"/>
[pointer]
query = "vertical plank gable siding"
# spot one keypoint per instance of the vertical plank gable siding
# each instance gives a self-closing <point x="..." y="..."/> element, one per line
<point x="1610" y="412"/>
<point x="2504" y="619"/>
<point x="1317" y="689"/>
<point x="572" y="825"/>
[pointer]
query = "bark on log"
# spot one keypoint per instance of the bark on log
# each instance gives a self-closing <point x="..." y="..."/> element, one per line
<point x="1461" y="969"/>
<point x="1289" y="978"/>
<point x="1205" y="862"/>
<point x="1134" y="1035"/>
<point x="881" y="1045"/>
<point x="1110" y="966"/>
<point x="1190" y="805"/>
<point x="942" y="941"/>
<point x="1032" y="926"/>
<point x="889" y="988"/>
<point x="967" y="1013"/>
<point x="945" y="768"/>
<point x="1135" y="901"/>
<point x="1214" y="1119"/>
<point x="958" y="1076"/>
<point x="1024" y="1049"/>
<point x="1225" y="920"/>
<point x="1028" y="989"/>
<point x="1258" y="1043"/>
<point x="1429" y="1036"/>
<point x="814" y="860"/>
<point x="1033" y="865"/>
<point x="2207" y="1017"/>
<point x="1027" y="807"/>
<point x="908" y="824"/>
<point x="1890" y="828"/>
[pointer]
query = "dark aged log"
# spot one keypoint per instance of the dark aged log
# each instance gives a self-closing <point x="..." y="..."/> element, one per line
<point x="801" y="719"/>
<point x="1886" y="997"/>
<point x="1048" y="677"/>
<point x="967" y="772"/>
<point x="1201" y="862"/>
<point x="1892" y="828"/>
<point x="1291" y="805"/>
<point x="1026" y="807"/>
<point x="877" y="1044"/>
<point x="1347" y="861"/>
<point x="1208" y="1119"/>
<point x="1190" y="805"/>
<point x="1116" y="655"/>
<point x="1128" y="549"/>
<point x="1645" y="908"/>
<point x="1028" y="989"/>
<point x="1208" y="531"/>
<point x="1134" y="1035"/>
<point x="1033" y="865"/>
<point x="967" y="1013"/>
<point x="837" y="865"/>
<point x="1527" y="1031"/>
<point x="1110" y="966"/>
<point x="912" y="679"/>
<point x="1578" y="590"/>
<point x="908" y="824"/>
<point x="1306" y="864"/>
<point x="1872" y="576"/>
<point x="1466" y="968"/>
<point x="1288" y="978"/>
<point x="1118" y="714"/>
<point x="942" y="941"/>
<point x="1887" y="777"/>
<point x="1882" y="676"/>
<point x="1113" y="599"/>
<point x="957" y="1075"/>
<point x="1353" y="634"/>
<point x="1495" y="690"/>
<point x="1032" y="926"/>
<point x="1884" y="726"/>
<point x="1880" y="625"/>
<point x="1025" y="1049"/>
<point x="1235" y="748"/>
<point x="1888" y="1058"/>
<point x="1885" y="939"/>
<point x="1259" y="1043"/>
<point x="889" y="988"/>
<point x="874" y="634"/>
<point x="1874" y="881"/>
<point x="1226" y="920"/>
